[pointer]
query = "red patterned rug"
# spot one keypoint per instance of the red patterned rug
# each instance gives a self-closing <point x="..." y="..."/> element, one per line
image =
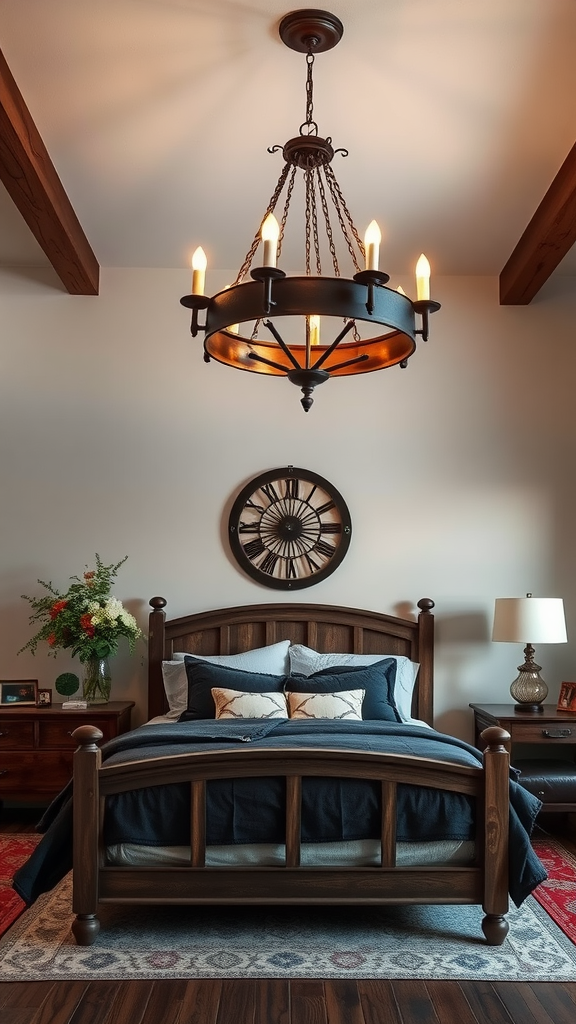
<point x="14" y="850"/>
<point x="558" y="893"/>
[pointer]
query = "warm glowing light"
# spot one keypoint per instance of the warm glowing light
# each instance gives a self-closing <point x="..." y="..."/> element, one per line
<point x="314" y="329"/>
<point x="422" y="278"/>
<point x="372" y="240"/>
<point x="270" y="234"/>
<point x="400" y="290"/>
<point x="199" y="264"/>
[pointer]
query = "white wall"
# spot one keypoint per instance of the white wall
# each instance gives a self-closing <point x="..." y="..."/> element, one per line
<point x="115" y="437"/>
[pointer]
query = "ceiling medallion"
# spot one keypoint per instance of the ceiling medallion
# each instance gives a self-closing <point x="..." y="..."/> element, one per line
<point x="235" y="316"/>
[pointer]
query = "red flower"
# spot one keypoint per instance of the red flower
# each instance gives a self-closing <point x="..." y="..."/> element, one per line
<point x="86" y="624"/>
<point x="56" y="608"/>
<point x="89" y="576"/>
<point x="51" y="639"/>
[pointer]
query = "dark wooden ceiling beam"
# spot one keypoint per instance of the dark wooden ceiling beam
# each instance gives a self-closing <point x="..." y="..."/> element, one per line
<point x="30" y="178"/>
<point x="549" y="236"/>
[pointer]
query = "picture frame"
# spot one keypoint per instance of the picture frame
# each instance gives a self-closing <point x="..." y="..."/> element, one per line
<point x="567" y="697"/>
<point x="18" y="693"/>
<point x="44" y="699"/>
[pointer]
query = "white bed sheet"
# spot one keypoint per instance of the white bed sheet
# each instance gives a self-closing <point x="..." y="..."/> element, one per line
<point x="359" y="853"/>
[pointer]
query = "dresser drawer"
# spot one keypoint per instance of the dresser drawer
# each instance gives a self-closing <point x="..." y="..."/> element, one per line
<point x="23" y="774"/>
<point x="543" y="732"/>
<point x="16" y="735"/>
<point x="58" y="734"/>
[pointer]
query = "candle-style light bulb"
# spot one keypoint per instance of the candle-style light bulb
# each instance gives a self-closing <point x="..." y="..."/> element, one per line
<point x="422" y="278"/>
<point x="372" y="240"/>
<point x="270" y="234"/>
<point x="314" y="329"/>
<point x="400" y="290"/>
<point x="199" y="264"/>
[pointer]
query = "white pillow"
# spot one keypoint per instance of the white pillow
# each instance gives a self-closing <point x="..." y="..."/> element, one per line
<point x="272" y="660"/>
<point x="305" y="662"/>
<point x="237" y="704"/>
<point x="343" y="704"/>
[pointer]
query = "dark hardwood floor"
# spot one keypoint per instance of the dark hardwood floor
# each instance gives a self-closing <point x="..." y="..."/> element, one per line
<point x="285" y="1002"/>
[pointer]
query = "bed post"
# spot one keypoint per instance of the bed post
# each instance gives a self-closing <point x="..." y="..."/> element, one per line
<point x="86" y="823"/>
<point x="496" y="839"/>
<point x="425" y="689"/>
<point x="156" y="622"/>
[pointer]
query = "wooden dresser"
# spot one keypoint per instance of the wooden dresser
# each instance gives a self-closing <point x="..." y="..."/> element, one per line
<point x="36" y="746"/>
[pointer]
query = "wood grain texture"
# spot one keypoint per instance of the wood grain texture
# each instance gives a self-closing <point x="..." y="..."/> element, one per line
<point x="283" y="1001"/>
<point x="32" y="182"/>
<point x="550" y="234"/>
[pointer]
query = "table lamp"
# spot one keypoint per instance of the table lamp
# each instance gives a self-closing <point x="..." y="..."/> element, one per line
<point x="529" y="620"/>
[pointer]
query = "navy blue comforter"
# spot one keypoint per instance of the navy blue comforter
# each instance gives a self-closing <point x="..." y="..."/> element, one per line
<point x="252" y="810"/>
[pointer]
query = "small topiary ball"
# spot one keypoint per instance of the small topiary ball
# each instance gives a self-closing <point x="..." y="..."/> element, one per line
<point x="67" y="684"/>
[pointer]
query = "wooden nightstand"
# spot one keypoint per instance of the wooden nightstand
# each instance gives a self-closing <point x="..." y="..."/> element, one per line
<point x="36" y="746"/>
<point x="553" y="777"/>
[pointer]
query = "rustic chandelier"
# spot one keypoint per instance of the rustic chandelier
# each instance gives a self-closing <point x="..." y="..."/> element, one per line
<point x="235" y="316"/>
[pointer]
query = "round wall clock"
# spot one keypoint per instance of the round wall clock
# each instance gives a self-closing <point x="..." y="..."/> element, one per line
<point x="289" y="528"/>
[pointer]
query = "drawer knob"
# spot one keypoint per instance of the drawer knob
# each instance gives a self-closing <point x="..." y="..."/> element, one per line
<point x="556" y="734"/>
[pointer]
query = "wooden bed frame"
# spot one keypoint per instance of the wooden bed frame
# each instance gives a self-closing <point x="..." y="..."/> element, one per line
<point x="324" y="628"/>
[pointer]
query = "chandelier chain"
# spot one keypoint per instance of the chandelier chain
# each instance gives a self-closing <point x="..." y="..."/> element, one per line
<point x="289" y="191"/>
<point x="329" y="234"/>
<point x="309" y="89"/>
<point x="341" y="208"/>
<point x="258" y="237"/>
<point x="312" y="218"/>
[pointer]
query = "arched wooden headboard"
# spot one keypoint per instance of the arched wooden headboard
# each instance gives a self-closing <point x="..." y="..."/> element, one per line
<point x="325" y="628"/>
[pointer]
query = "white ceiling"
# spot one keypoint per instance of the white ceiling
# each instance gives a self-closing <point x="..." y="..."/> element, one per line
<point x="157" y="115"/>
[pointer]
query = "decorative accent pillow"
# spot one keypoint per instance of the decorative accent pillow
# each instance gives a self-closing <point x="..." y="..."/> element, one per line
<point x="272" y="659"/>
<point x="344" y="704"/>
<point x="236" y="704"/>
<point x="305" y="661"/>
<point x="376" y="680"/>
<point x="203" y="677"/>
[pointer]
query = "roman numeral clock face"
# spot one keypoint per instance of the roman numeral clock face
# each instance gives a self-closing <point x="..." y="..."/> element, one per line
<point x="289" y="528"/>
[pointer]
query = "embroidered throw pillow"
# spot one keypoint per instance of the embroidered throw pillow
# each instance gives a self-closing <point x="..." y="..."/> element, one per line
<point x="236" y="704"/>
<point x="204" y="676"/>
<point x="344" y="704"/>
<point x="272" y="659"/>
<point x="376" y="680"/>
<point x="306" y="662"/>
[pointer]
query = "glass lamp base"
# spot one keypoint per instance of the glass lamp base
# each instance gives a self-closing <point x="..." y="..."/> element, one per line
<point x="528" y="689"/>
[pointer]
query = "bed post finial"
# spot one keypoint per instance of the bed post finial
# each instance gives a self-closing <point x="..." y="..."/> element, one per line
<point x="425" y="604"/>
<point x="156" y="620"/>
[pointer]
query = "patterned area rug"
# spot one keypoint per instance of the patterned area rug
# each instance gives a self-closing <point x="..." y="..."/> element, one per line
<point x="558" y="893"/>
<point x="14" y="850"/>
<point x="282" y="942"/>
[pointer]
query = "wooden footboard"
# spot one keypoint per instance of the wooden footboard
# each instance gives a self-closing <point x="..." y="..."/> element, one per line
<point x="485" y="882"/>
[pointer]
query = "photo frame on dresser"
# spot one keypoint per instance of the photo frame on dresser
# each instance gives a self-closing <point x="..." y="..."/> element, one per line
<point x="18" y="693"/>
<point x="44" y="698"/>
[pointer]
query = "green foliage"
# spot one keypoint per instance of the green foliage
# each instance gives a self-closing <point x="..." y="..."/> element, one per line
<point x="67" y="683"/>
<point x="85" y="619"/>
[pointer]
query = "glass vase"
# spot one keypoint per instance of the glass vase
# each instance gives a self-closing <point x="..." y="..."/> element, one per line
<point x="97" y="681"/>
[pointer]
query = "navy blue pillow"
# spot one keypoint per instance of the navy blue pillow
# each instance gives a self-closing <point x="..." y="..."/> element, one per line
<point x="378" y="680"/>
<point x="203" y="675"/>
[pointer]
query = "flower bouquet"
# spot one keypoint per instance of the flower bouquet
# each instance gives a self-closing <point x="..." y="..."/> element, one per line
<point x="86" y="620"/>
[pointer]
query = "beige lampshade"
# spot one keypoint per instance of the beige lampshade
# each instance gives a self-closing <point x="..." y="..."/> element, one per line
<point x="529" y="620"/>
